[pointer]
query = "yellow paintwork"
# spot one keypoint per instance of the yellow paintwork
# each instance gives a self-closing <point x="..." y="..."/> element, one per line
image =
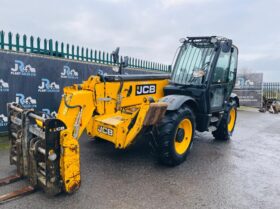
<point x="39" y="123"/>
<point x="181" y="147"/>
<point x="232" y="117"/>
<point x="70" y="162"/>
<point x="105" y="114"/>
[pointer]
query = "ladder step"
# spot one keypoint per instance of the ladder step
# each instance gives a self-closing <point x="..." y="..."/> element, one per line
<point x="214" y="119"/>
<point x="212" y="128"/>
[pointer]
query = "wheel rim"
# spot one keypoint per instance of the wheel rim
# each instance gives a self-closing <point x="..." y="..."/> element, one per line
<point x="232" y="117"/>
<point x="182" y="142"/>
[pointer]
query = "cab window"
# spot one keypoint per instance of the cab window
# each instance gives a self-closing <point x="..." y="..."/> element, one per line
<point x="233" y="66"/>
<point x="222" y="68"/>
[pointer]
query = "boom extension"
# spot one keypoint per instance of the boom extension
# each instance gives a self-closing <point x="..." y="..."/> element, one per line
<point x="46" y="150"/>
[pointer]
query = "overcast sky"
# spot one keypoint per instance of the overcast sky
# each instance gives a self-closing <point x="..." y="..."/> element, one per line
<point x="150" y="29"/>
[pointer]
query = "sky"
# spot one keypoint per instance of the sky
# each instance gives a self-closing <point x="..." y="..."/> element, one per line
<point x="151" y="29"/>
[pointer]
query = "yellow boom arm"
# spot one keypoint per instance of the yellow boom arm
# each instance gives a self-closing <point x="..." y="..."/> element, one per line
<point x="115" y="110"/>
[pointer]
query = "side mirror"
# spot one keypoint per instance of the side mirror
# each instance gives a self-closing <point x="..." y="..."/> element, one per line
<point x="115" y="55"/>
<point x="226" y="46"/>
<point x="125" y="61"/>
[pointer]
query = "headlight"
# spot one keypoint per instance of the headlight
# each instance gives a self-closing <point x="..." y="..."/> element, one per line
<point x="52" y="155"/>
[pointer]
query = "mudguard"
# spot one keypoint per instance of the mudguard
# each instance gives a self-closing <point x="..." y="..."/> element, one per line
<point x="234" y="97"/>
<point x="176" y="101"/>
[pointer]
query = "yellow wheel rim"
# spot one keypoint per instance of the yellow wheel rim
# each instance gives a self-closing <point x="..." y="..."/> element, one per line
<point x="185" y="127"/>
<point x="232" y="117"/>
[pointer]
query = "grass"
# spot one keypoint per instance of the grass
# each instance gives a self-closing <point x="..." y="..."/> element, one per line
<point x="4" y="143"/>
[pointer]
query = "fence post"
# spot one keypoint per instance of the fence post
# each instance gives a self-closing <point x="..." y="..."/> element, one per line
<point x="86" y="54"/>
<point x="78" y="52"/>
<point x="56" y="49"/>
<point x="2" y="36"/>
<point x="38" y="45"/>
<point x="67" y="51"/>
<point x="107" y="58"/>
<point x="91" y="55"/>
<point x="111" y="59"/>
<point x="82" y="53"/>
<point x="24" y="42"/>
<point x="31" y="44"/>
<point x="95" y="56"/>
<point x="51" y="47"/>
<point x="99" y="56"/>
<point x="62" y="49"/>
<point x="45" y="46"/>
<point x="72" y="52"/>
<point x="10" y="39"/>
<point x="17" y="42"/>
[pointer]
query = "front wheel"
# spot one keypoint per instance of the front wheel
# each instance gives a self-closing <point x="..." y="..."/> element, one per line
<point x="175" y="136"/>
<point x="227" y="124"/>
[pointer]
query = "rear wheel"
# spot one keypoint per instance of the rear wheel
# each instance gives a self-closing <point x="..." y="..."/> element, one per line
<point x="175" y="136"/>
<point x="227" y="124"/>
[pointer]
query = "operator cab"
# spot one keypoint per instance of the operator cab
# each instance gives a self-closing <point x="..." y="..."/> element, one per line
<point x="205" y="69"/>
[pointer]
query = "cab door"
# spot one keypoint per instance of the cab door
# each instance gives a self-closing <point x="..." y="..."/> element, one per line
<point x="222" y="79"/>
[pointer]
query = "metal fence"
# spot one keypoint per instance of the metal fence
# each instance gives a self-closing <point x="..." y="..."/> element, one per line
<point x="271" y="90"/>
<point x="54" y="48"/>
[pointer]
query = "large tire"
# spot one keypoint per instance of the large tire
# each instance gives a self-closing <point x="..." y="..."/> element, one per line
<point x="227" y="124"/>
<point x="175" y="136"/>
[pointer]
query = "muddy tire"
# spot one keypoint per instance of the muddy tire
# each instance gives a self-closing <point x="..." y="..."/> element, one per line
<point x="227" y="124"/>
<point x="175" y="136"/>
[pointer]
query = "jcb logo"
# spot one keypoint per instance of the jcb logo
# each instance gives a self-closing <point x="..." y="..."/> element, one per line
<point x="104" y="130"/>
<point x="145" y="89"/>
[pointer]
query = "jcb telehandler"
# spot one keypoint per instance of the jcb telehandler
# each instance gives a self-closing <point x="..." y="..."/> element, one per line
<point x="117" y="108"/>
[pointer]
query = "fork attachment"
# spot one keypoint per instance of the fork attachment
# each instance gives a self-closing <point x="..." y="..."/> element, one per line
<point x="35" y="147"/>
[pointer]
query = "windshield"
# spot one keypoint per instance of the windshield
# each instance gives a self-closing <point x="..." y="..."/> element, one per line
<point x="193" y="63"/>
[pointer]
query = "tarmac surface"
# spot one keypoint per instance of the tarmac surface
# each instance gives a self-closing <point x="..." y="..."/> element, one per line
<point x="242" y="173"/>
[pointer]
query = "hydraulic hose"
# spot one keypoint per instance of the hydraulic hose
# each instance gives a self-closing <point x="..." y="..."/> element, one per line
<point x="71" y="106"/>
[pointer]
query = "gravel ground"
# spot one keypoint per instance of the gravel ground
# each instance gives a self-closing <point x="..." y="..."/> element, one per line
<point x="242" y="173"/>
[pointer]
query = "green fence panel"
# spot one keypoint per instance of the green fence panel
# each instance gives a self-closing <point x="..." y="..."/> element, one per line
<point x="61" y="50"/>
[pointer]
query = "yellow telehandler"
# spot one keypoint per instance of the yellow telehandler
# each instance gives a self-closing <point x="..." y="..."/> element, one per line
<point x="197" y="96"/>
